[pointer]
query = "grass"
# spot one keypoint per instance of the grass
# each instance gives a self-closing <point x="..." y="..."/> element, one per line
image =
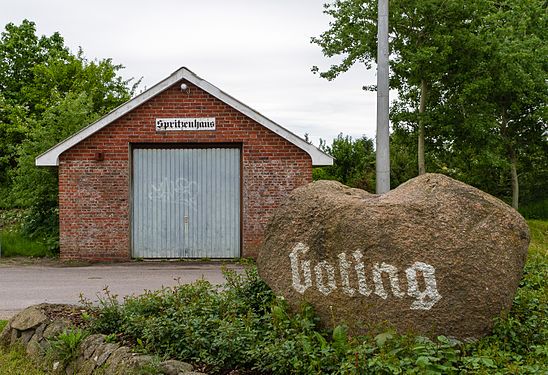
<point x="13" y="243"/>
<point x="13" y="361"/>
<point x="539" y="237"/>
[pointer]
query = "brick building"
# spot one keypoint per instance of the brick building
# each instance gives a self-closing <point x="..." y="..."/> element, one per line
<point x="181" y="171"/>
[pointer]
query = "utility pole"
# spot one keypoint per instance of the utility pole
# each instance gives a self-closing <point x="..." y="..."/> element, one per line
<point x="383" y="141"/>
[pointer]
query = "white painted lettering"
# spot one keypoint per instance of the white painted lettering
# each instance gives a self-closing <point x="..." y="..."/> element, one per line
<point x="360" y="272"/>
<point x="392" y="277"/>
<point x="427" y="298"/>
<point x="343" y="268"/>
<point x="298" y="249"/>
<point x="331" y="285"/>
<point x="326" y="282"/>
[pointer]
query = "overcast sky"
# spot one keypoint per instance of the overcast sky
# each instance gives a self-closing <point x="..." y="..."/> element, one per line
<point x="258" y="51"/>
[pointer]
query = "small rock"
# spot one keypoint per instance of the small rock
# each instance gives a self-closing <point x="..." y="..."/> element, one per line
<point x="34" y="349"/>
<point x="26" y="336"/>
<point x="39" y="332"/>
<point x="173" y="367"/>
<point x="116" y="361"/>
<point x="69" y="370"/>
<point x="90" y="344"/>
<point x="15" y="334"/>
<point x="45" y="344"/>
<point x="55" y="328"/>
<point x="86" y="368"/>
<point x="5" y="336"/>
<point x="28" y="318"/>
<point x="102" y="353"/>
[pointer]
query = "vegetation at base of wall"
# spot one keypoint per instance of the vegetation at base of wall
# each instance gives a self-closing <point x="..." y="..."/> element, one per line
<point x="13" y="244"/>
<point x="16" y="240"/>
<point x="15" y="361"/>
<point x="245" y="326"/>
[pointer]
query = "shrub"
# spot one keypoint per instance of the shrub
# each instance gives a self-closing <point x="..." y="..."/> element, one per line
<point x="107" y="318"/>
<point x="244" y="326"/>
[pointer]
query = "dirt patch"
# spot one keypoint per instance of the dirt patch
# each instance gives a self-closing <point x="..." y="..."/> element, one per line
<point x="70" y="313"/>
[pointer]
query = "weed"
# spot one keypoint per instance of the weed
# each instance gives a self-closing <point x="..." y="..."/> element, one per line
<point x="106" y="318"/>
<point x="64" y="347"/>
<point x="111" y="338"/>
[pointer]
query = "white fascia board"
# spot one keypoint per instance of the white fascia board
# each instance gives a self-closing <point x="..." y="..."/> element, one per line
<point x="51" y="157"/>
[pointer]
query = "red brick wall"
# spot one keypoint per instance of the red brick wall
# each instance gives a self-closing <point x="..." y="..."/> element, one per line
<point x="94" y="202"/>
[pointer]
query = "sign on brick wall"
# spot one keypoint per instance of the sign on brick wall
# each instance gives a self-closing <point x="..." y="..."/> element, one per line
<point x="185" y="123"/>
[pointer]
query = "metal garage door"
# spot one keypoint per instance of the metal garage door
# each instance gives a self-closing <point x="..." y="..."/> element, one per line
<point x="186" y="203"/>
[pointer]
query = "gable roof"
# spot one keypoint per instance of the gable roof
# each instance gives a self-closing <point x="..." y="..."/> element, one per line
<point x="51" y="157"/>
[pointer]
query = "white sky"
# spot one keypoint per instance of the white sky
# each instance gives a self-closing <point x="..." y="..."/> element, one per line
<point x="257" y="51"/>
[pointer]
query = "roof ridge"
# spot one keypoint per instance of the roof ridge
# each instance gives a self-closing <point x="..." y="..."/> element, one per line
<point x="51" y="156"/>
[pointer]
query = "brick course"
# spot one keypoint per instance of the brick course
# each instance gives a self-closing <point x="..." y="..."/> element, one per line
<point x="94" y="196"/>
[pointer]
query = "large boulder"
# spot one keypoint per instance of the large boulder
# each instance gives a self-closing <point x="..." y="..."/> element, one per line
<point x="434" y="256"/>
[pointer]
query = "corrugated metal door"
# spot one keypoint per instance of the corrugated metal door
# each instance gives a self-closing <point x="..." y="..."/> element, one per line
<point x="186" y="203"/>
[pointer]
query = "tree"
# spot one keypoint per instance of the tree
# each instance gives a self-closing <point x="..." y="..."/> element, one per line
<point x="354" y="163"/>
<point x="47" y="93"/>
<point x="504" y="91"/>
<point x="471" y="77"/>
<point x="21" y="50"/>
<point x="422" y="38"/>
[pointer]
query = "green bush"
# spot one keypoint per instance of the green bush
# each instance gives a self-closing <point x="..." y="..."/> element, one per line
<point x="244" y="326"/>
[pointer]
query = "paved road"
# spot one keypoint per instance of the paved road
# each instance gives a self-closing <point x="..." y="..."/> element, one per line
<point x="25" y="285"/>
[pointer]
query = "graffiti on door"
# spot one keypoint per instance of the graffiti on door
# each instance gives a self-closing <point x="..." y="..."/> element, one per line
<point x="178" y="191"/>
